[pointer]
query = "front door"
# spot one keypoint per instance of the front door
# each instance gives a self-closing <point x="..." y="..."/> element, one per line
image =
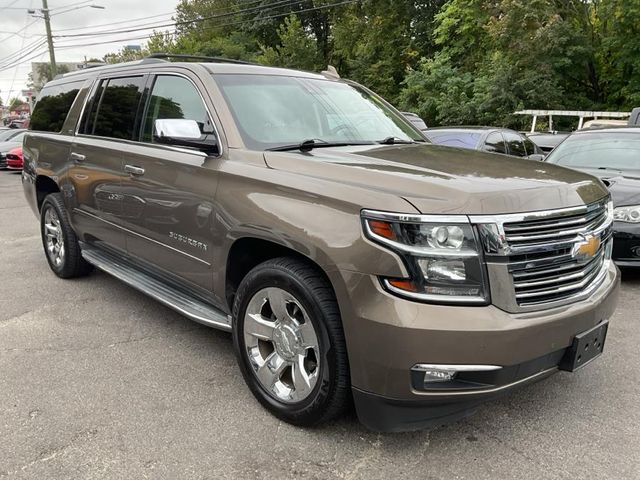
<point x="168" y="192"/>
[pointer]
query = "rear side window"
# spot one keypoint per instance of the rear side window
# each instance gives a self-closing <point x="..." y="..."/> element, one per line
<point x="495" y="143"/>
<point x="516" y="147"/>
<point x="53" y="106"/>
<point x="454" y="139"/>
<point x="114" y="107"/>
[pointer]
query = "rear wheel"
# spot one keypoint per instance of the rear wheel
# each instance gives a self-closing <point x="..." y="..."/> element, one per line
<point x="60" y="243"/>
<point x="289" y="342"/>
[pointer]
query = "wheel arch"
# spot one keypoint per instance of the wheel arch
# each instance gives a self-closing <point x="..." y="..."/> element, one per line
<point x="247" y="252"/>
<point x="44" y="186"/>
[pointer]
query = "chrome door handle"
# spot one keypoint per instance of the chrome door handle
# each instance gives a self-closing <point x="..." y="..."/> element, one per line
<point x="77" y="157"/>
<point x="133" y="170"/>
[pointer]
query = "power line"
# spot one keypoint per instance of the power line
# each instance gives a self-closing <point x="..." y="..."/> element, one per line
<point x="115" y="23"/>
<point x="15" y="72"/>
<point x="322" y="7"/>
<point x="9" y="5"/>
<point x="20" y="59"/>
<point x="258" y="9"/>
<point x="245" y="21"/>
<point x="9" y="58"/>
<point x="252" y="2"/>
<point x="17" y="32"/>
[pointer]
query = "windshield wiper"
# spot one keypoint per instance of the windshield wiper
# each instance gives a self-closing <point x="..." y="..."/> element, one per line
<point x="396" y="141"/>
<point x="308" y="145"/>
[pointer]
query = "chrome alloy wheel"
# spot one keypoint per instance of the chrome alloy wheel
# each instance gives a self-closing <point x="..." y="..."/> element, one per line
<point x="54" y="237"/>
<point x="281" y="344"/>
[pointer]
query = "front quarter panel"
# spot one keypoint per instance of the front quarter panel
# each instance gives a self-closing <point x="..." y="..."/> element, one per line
<point x="316" y="218"/>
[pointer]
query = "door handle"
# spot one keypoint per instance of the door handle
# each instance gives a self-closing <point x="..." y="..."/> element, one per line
<point x="133" y="170"/>
<point x="77" y="157"/>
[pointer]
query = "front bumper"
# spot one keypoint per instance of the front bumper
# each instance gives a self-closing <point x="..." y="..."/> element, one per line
<point x="386" y="336"/>
<point x="626" y="244"/>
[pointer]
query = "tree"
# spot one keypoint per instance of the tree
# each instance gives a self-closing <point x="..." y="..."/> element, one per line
<point x="297" y="49"/>
<point x="373" y="44"/>
<point x="452" y="61"/>
<point x="15" y="102"/>
<point x="43" y="74"/>
<point x="125" y="54"/>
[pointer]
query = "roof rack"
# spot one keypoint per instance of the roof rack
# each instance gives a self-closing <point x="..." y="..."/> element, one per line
<point x="570" y="113"/>
<point x="166" y="56"/>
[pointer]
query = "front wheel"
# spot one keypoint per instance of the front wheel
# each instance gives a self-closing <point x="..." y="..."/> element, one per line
<point x="289" y="342"/>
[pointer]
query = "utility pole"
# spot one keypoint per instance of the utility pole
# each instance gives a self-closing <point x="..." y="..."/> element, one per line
<point x="47" y="25"/>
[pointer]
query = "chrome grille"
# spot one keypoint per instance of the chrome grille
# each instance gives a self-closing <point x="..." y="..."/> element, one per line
<point x="534" y="286"/>
<point x="537" y="255"/>
<point x="554" y="230"/>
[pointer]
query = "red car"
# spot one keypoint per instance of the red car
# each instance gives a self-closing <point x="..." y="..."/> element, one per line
<point x="14" y="159"/>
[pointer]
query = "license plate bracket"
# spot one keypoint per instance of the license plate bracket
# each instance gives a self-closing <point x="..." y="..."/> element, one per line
<point x="585" y="347"/>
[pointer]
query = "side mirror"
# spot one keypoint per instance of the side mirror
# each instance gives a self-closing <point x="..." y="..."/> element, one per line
<point x="537" y="156"/>
<point x="181" y="132"/>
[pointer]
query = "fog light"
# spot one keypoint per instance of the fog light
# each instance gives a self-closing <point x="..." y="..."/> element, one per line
<point x="437" y="375"/>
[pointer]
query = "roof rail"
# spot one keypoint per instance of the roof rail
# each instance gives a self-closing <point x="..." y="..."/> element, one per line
<point x="166" y="56"/>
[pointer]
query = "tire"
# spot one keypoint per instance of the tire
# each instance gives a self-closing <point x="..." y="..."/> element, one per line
<point x="302" y="395"/>
<point x="61" y="247"/>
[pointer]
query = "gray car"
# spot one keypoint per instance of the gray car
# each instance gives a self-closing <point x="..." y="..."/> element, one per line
<point x="9" y="139"/>
<point x="486" y="139"/>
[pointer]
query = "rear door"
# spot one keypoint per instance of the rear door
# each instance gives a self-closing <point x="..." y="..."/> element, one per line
<point x="168" y="192"/>
<point x="106" y="127"/>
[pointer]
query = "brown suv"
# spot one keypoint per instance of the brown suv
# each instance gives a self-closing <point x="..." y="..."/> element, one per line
<point x="351" y="259"/>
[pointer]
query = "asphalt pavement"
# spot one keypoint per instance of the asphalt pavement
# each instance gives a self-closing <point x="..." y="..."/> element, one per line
<point x="98" y="381"/>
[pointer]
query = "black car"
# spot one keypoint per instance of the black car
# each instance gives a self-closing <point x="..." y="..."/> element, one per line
<point x="487" y="139"/>
<point x="613" y="154"/>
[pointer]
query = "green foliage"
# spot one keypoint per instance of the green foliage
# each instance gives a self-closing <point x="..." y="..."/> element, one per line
<point x="451" y="61"/>
<point x="15" y="102"/>
<point x="297" y="48"/>
<point x="125" y="54"/>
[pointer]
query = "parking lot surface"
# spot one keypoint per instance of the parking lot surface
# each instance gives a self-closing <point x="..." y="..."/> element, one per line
<point x="99" y="381"/>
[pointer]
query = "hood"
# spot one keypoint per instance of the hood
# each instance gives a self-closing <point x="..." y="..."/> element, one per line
<point x="437" y="179"/>
<point x="624" y="185"/>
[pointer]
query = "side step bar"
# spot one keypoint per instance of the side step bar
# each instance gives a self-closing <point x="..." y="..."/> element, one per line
<point x="179" y="301"/>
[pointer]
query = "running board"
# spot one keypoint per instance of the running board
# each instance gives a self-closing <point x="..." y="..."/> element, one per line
<point x="179" y="301"/>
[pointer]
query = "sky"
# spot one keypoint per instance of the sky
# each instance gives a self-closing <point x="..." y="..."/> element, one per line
<point x="20" y="32"/>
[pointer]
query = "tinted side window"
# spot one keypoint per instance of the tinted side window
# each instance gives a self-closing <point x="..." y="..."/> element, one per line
<point x="175" y="97"/>
<point x="516" y="147"/>
<point x="88" y="119"/>
<point x="53" y="106"/>
<point x="530" y="146"/>
<point x="495" y="143"/>
<point x="117" y="108"/>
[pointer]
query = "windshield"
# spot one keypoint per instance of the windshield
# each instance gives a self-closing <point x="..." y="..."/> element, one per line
<point x="606" y="150"/>
<point x="273" y="111"/>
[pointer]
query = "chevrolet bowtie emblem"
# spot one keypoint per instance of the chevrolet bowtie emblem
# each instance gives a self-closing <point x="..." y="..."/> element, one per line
<point x="586" y="248"/>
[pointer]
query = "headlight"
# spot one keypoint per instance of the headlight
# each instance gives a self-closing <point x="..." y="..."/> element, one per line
<point x="630" y="214"/>
<point x="441" y="255"/>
